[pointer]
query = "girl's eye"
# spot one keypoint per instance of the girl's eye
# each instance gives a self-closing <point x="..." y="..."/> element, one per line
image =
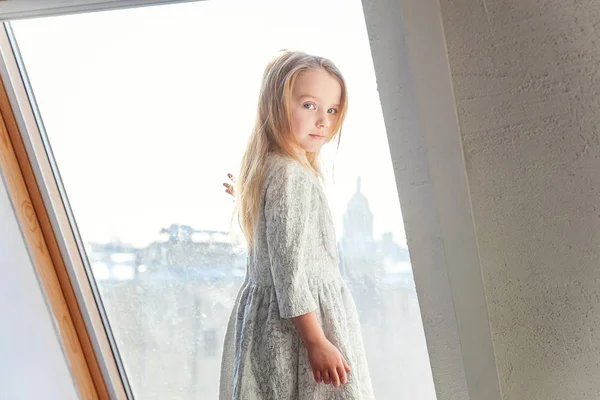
<point x="332" y="111"/>
<point x="309" y="106"/>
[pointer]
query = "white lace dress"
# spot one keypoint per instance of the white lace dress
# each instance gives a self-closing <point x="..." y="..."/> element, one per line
<point x="293" y="270"/>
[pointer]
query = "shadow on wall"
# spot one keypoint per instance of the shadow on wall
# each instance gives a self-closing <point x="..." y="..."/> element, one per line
<point x="525" y="77"/>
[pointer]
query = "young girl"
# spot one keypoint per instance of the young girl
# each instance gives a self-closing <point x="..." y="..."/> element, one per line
<point x="294" y="332"/>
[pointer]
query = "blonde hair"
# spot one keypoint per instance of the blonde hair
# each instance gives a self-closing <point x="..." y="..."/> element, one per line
<point x="272" y="131"/>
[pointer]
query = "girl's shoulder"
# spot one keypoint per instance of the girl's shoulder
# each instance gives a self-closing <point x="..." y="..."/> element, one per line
<point x="281" y="167"/>
<point x="285" y="174"/>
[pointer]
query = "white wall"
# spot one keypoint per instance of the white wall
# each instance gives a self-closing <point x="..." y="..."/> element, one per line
<point x="526" y="77"/>
<point x="32" y="364"/>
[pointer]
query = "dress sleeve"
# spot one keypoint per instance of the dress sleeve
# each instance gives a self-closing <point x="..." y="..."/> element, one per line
<point x="287" y="210"/>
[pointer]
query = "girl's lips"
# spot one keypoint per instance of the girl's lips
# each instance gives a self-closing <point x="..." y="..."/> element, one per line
<point x="317" y="136"/>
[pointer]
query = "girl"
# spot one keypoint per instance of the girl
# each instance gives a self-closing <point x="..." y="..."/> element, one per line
<point x="294" y="332"/>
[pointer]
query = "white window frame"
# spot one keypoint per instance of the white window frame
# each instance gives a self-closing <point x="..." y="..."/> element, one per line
<point x="415" y="87"/>
<point x="60" y="215"/>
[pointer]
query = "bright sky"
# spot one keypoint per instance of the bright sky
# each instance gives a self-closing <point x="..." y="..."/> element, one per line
<point x="147" y="109"/>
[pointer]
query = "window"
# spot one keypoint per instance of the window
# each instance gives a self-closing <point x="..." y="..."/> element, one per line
<point x="144" y="112"/>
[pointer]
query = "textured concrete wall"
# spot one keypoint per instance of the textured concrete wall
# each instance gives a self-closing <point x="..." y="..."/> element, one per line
<point x="526" y="77"/>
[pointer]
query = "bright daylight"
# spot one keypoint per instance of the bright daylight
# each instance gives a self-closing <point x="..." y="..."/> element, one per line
<point x="146" y="110"/>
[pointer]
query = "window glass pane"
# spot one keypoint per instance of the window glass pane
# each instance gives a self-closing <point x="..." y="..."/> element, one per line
<point x="146" y="110"/>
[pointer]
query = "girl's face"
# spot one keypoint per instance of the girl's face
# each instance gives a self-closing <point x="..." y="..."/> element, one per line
<point x="315" y="104"/>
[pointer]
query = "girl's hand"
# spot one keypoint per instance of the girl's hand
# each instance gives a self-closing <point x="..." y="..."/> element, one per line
<point x="230" y="186"/>
<point x="327" y="363"/>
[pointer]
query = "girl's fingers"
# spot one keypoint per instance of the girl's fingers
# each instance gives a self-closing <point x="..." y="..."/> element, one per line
<point x="317" y="376"/>
<point x="335" y="379"/>
<point x="229" y="188"/>
<point x="346" y="366"/>
<point x="326" y="378"/>
<point x="342" y="374"/>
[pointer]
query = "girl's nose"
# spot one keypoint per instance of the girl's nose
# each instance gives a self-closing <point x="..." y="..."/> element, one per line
<point x="323" y="122"/>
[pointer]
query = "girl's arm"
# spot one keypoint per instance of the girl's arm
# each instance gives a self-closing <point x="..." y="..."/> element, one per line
<point x="309" y="329"/>
<point x="288" y="207"/>
<point x="327" y="363"/>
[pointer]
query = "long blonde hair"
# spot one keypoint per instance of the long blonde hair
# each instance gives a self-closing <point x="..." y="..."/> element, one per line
<point x="272" y="131"/>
